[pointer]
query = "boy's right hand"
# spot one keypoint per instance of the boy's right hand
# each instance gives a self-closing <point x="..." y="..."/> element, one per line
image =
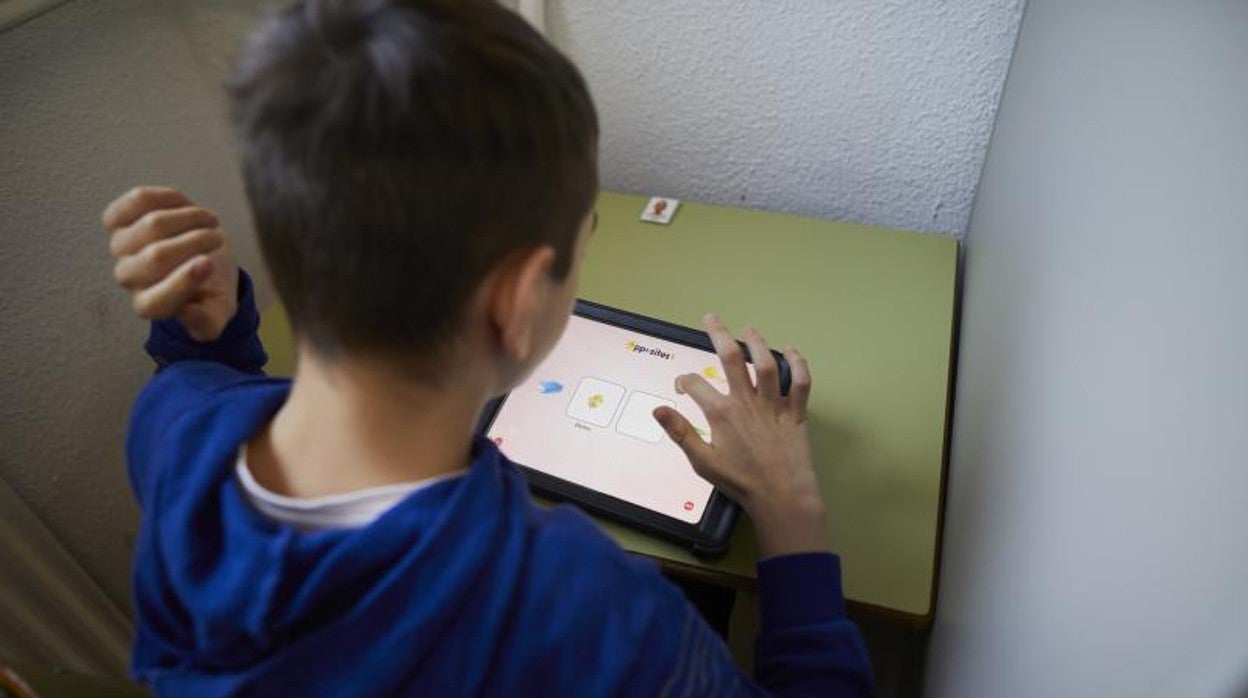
<point x="174" y="259"/>
<point x="760" y="450"/>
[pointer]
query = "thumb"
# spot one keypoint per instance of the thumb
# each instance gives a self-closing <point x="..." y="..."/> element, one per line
<point x="682" y="433"/>
<point x="200" y="322"/>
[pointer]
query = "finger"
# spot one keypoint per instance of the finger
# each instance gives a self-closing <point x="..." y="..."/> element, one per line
<point x="157" y="225"/>
<point x="766" y="372"/>
<point x="708" y="399"/>
<point x="799" y="382"/>
<point x="132" y="205"/>
<point x="155" y="261"/>
<point x="682" y="433"/>
<point x="167" y="298"/>
<point x="700" y="453"/>
<point x="730" y="355"/>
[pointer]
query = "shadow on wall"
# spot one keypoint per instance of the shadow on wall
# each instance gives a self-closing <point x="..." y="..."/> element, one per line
<point x="51" y="613"/>
<point x="95" y="97"/>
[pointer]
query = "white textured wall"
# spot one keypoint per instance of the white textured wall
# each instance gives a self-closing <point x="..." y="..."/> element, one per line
<point x="865" y="110"/>
<point x="95" y="96"/>
<point x="1096" y="533"/>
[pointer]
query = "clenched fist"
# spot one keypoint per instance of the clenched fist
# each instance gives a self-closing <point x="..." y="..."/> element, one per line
<point x="174" y="259"/>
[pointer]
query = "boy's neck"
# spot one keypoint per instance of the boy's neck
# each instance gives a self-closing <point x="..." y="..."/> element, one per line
<point x="347" y="426"/>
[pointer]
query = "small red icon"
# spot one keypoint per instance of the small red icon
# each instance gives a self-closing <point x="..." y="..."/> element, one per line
<point x="659" y="207"/>
<point x="688" y="506"/>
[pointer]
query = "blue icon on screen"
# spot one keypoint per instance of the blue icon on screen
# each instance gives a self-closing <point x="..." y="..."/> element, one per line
<point x="550" y="387"/>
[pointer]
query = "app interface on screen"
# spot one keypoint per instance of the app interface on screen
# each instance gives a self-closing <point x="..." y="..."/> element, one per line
<point x="584" y="415"/>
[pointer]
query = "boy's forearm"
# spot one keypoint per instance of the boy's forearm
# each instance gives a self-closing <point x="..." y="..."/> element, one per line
<point x="238" y="346"/>
<point x="792" y="525"/>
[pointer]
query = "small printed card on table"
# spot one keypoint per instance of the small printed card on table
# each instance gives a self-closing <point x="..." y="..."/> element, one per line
<point x="660" y="210"/>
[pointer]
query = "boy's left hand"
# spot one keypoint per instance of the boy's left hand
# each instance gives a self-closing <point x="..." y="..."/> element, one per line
<point x="174" y="259"/>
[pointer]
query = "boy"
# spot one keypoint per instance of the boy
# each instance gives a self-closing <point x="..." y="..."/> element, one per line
<point x="422" y="176"/>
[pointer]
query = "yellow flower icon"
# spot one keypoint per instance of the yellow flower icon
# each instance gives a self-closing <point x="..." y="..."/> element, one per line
<point x="711" y="372"/>
<point x="595" y="401"/>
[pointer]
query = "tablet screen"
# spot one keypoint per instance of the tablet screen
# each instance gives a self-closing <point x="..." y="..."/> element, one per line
<point x="584" y="415"/>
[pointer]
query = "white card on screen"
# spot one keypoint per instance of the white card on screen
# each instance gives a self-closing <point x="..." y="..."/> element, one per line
<point x="660" y="210"/>
<point x="595" y="401"/>
<point x="638" y="419"/>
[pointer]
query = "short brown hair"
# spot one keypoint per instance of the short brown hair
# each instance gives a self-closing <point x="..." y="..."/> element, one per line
<point x="394" y="152"/>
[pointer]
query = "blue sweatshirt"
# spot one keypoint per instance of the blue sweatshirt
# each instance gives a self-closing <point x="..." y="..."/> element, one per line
<point x="463" y="588"/>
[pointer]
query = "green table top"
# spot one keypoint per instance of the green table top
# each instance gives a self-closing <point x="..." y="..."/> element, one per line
<point x="872" y="309"/>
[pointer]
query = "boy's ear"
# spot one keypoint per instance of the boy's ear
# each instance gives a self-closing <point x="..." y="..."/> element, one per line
<point x="520" y="292"/>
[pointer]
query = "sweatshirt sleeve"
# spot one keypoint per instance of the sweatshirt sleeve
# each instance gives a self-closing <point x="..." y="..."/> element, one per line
<point x="806" y="645"/>
<point x="187" y="372"/>
<point x="238" y="346"/>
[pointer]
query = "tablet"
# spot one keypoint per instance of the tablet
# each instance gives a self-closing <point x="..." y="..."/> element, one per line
<point x="581" y="425"/>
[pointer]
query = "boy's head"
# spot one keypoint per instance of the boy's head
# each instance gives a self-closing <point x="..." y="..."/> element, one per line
<point x="399" y="154"/>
